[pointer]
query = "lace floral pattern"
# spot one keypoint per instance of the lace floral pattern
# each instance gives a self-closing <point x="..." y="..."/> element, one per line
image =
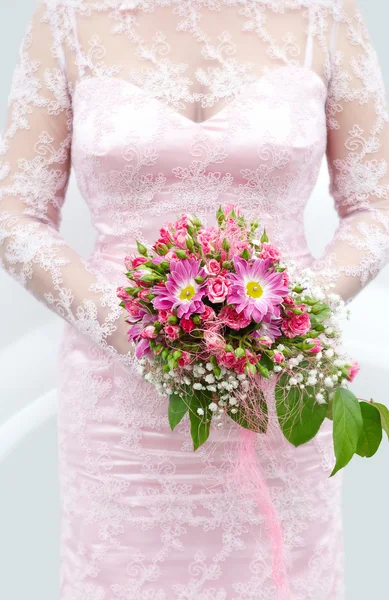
<point x="160" y="107"/>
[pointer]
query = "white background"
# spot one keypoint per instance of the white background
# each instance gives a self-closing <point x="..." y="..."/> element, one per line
<point x="29" y="500"/>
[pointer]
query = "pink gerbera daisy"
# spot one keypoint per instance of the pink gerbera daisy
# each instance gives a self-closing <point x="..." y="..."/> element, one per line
<point x="255" y="290"/>
<point x="181" y="291"/>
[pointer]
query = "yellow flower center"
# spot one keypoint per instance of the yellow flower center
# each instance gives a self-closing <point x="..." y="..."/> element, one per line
<point x="253" y="289"/>
<point x="187" y="293"/>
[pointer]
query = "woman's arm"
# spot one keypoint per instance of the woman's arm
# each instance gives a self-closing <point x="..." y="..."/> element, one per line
<point x="358" y="157"/>
<point x="34" y="173"/>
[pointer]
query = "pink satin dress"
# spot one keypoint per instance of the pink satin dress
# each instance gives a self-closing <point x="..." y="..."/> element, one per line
<point x="162" y="107"/>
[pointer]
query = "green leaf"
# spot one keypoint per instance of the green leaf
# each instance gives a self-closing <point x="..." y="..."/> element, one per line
<point x="384" y="414"/>
<point x="371" y="436"/>
<point x="299" y="414"/>
<point x="267" y="362"/>
<point x="177" y="409"/>
<point x="321" y="311"/>
<point x="347" y="427"/>
<point x="200" y="424"/>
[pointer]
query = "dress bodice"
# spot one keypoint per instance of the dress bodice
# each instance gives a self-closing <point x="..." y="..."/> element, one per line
<point x="140" y="163"/>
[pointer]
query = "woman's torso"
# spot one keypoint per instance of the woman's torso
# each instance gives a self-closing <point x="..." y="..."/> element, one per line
<point x="183" y="106"/>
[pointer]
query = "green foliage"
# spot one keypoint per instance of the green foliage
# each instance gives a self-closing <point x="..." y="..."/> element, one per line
<point x="299" y="414"/>
<point x="384" y="414"/>
<point x="347" y="427"/>
<point x="178" y="407"/>
<point x="200" y="424"/>
<point x="371" y="435"/>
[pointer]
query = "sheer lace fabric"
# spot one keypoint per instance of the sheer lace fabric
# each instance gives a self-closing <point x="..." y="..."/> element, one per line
<point x="161" y="107"/>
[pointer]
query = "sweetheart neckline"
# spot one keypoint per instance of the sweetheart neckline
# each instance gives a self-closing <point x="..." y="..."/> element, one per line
<point x="177" y="114"/>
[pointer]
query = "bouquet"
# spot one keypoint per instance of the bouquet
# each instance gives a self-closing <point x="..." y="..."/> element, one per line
<point x="214" y="312"/>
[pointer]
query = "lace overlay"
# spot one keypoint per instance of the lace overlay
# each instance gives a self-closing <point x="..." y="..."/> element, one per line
<point x="161" y="107"/>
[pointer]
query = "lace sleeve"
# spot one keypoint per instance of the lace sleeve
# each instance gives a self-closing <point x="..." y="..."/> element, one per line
<point x="34" y="173"/>
<point x="358" y="154"/>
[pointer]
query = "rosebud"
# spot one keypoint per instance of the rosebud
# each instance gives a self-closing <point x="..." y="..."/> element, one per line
<point x="250" y="369"/>
<point x="298" y="289"/>
<point x="157" y="326"/>
<point x="239" y="353"/>
<point x="199" y="279"/>
<point x="172" y="320"/>
<point x="141" y="249"/>
<point x="150" y="277"/>
<point x="161" y="249"/>
<point x="245" y="254"/>
<point x="263" y="371"/>
<point x="196" y="319"/>
<point x="181" y="254"/>
<point x="226" y="245"/>
<point x="191" y="230"/>
<point x="220" y="216"/>
<point x="189" y="244"/>
<point x="196" y="221"/>
<point x="264" y="238"/>
<point x="217" y="370"/>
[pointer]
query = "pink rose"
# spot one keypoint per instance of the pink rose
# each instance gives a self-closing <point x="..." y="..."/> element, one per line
<point x="232" y="319"/>
<point x="232" y="227"/>
<point x="217" y="289"/>
<point x="296" y="325"/>
<point x="289" y="300"/>
<point x="171" y="256"/>
<point x="270" y="251"/>
<point x="139" y="260"/>
<point x="232" y="207"/>
<point x="148" y="333"/>
<point x="138" y="274"/>
<point x="172" y="331"/>
<point x="163" y="315"/>
<point x="187" y="325"/>
<point x="241" y="363"/>
<point x="121" y="293"/>
<point x="180" y="236"/>
<point x="213" y="267"/>
<point x="128" y="262"/>
<point x="265" y="340"/>
<point x="285" y="278"/>
<point x="181" y="223"/>
<point x="142" y="294"/>
<point x="184" y="359"/>
<point x="215" y="343"/>
<point x="353" y="371"/>
<point x="165" y="235"/>
<point x="228" y="360"/>
<point x="317" y="347"/>
<point x="208" y="238"/>
<point x="208" y="314"/>
<point x="278" y="357"/>
<point x="134" y="309"/>
<point x="240" y="246"/>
